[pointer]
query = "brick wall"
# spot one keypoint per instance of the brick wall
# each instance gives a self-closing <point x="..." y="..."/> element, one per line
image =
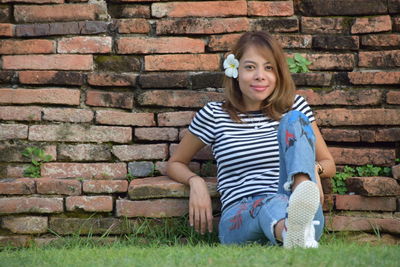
<point x="109" y="87"/>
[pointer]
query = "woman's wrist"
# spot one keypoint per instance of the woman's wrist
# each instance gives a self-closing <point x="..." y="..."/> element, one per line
<point x="320" y="168"/>
<point x="191" y="178"/>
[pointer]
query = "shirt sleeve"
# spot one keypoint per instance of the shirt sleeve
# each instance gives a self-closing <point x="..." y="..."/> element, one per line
<point x="203" y="124"/>
<point x="300" y="104"/>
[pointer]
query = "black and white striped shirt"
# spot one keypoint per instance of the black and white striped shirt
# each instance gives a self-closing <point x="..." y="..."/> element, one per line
<point x="247" y="154"/>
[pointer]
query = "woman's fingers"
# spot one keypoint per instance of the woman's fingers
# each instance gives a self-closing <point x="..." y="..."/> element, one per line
<point x="209" y="220"/>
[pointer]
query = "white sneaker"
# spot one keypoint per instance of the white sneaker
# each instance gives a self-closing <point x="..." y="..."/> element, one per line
<point x="303" y="205"/>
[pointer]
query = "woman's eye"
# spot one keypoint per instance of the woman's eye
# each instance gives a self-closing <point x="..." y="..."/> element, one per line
<point x="249" y="67"/>
<point x="268" y="67"/>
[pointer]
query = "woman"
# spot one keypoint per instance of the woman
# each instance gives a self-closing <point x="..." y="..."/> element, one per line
<point x="269" y="151"/>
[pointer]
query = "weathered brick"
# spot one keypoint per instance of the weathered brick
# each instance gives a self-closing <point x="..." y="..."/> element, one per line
<point x="161" y="167"/>
<point x="380" y="40"/>
<point x="374" y="77"/>
<point x="13" y="152"/>
<point x="140" y="152"/>
<point x="21" y="186"/>
<point x="223" y="42"/>
<point x="340" y="7"/>
<point x="124" y="118"/>
<point x="199" y="9"/>
<point x="357" y="202"/>
<point x="363" y="156"/>
<point x="179" y="118"/>
<point x="85" y="226"/>
<point x="146" y="45"/>
<point x="312" y="78"/>
<point x="33" y="1"/>
<point x="85" y="45"/>
<point x="84" y="152"/>
<point x="325" y="25"/>
<point x="80" y="133"/>
<point x="379" y="59"/>
<point x="345" y="61"/>
<point x="205" y="80"/>
<point x="112" y="79"/>
<point x="67" y="114"/>
<point x="270" y="9"/>
<point x="367" y="136"/>
<point x="388" y="135"/>
<point x="156" y="134"/>
<point x="182" y="62"/>
<point x="129" y="11"/>
<point x="164" y="187"/>
<point x="341" y="116"/>
<point x="393" y="97"/>
<point x="49" y="186"/>
<point x="31" y="205"/>
<point x="275" y="25"/>
<point x="201" y="25"/>
<point x="10" y="47"/>
<point x="51" y="77"/>
<point x="141" y="168"/>
<point x="204" y="154"/>
<point x="157" y="208"/>
<point x="25" y="224"/>
<point x="15" y="241"/>
<point x="393" y="6"/>
<point x="328" y="202"/>
<point x="372" y="24"/>
<point x="178" y="98"/>
<point x="5" y="12"/>
<point x="84" y="170"/>
<point x="48" y="62"/>
<point x="12" y="170"/>
<point x="61" y="12"/>
<point x="294" y="41"/>
<point x="62" y="96"/>
<point x="396" y="171"/>
<point x="341" y="135"/>
<point x="331" y="42"/>
<point x="105" y="186"/>
<point x="343" y="97"/>
<point x="117" y="63"/>
<point x="164" y="80"/>
<point x="109" y="99"/>
<point x="132" y="26"/>
<point x="89" y="203"/>
<point x="395" y="25"/>
<point x="373" y="186"/>
<point x="13" y="131"/>
<point x="60" y="28"/>
<point x="7" y="76"/>
<point x="6" y="29"/>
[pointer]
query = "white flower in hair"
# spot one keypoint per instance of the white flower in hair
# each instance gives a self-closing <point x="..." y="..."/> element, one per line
<point x="231" y="65"/>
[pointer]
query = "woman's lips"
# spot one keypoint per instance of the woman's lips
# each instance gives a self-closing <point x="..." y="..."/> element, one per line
<point x="259" y="88"/>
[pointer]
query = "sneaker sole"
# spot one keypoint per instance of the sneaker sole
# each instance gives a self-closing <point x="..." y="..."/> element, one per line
<point x="303" y="205"/>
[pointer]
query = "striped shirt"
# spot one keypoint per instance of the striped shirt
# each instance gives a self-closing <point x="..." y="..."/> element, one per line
<point x="247" y="154"/>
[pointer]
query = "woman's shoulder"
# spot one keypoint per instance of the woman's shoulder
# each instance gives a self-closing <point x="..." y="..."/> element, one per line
<point x="299" y="101"/>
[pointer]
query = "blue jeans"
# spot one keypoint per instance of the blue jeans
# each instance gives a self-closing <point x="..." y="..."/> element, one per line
<point x="253" y="218"/>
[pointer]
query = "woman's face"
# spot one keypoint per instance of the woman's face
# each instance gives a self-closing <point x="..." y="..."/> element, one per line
<point x="256" y="78"/>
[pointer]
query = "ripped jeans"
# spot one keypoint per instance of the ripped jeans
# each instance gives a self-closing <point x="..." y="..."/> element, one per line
<point x="253" y="218"/>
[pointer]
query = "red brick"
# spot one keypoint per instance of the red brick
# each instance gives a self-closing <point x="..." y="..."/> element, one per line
<point x="223" y="42"/>
<point x="80" y="133"/>
<point x="374" y="77"/>
<point x="109" y="99"/>
<point x="199" y="9"/>
<point x="111" y="79"/>
<point x="13" y="152"/>
<point x="367" y="136"/>
<point x="161" y="167"/>
<point x="380" y="40"/>
<point x="13" y="131"/>
<point x="33" y="1"/>
<point x="84" y="170"/>
<point x="105" y="186"/>
<point x="388" y="135"/>
<point x="372" y="24"/>
<point x="373" y="186"/>
<point x="51" y="77"/>
<point x="396" y="171"/>
<point x="6" y="29"/>
<point x="157" y="208"/>
<point x="17" y="186"/>
<point x="343" y="97"/>
<point x="30" y="205"/>
<point x="84" y="152"/>
<point x="133" y="26"/>
<point x="124" y="118"/>
<point x="67" y="114"/>
<point x="15" y="241"/>
<point x="146" y="45"/>
<point x="89" y="203"/>
<point x="201" y="25"/>
<point x="312" y="78"/>
<point x="62" y="96"/>
<point x="140" y="152"/>
<point x="179" y="118"/>
<point x="324" y="25"/>
<point x="169" y="98"/>
<point x="357" y="202"/>
<point x="393" y="97"/>
<point x="344" y="61"/>
<point x="134" y="11"/>
<point x="61" y="12"/>
<point x="9" y="47"/>
<point x="13" y="170"/>
<point x="379" y="59"/>
<point x="85" y="45"/>
<point x="363" y="156"/>
<point x="294" y="41"/>
<point x="341" y="116"/>
<point x="156" y="134"/>
<point x="204" y="154"/>
<point x="25" y="224"/>
<point x="341" y="135"/>
<point x="48" y="186"/>
<point x="270" y="9"/>
<point x="182" y="62"/>
<point x="48" y="62"/>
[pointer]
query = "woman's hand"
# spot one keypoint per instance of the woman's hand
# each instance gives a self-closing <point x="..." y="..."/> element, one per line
<point x="200" y="208"/>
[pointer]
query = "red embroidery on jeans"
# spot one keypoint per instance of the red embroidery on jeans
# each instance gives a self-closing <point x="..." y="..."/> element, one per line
<point x="256" y="204"/>
<point x="237" y="220"/>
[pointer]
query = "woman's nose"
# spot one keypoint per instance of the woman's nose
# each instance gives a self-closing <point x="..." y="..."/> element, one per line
<point x="259" y="74"/>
